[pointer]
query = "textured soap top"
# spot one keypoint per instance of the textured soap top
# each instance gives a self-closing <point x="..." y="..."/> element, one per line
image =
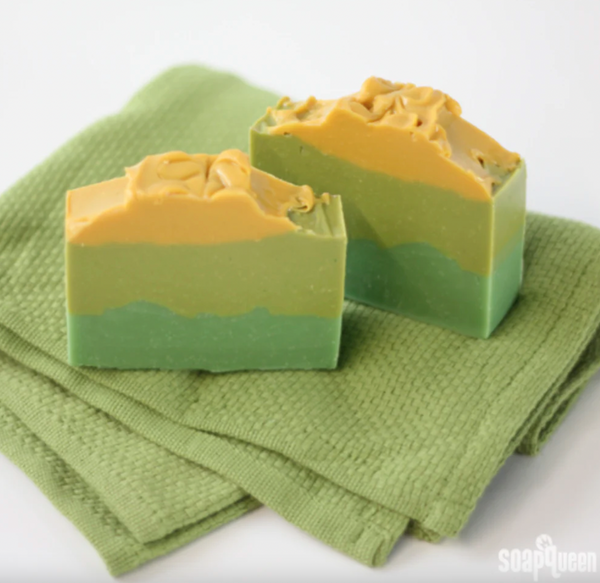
<point x="211" y="176"/>
<point x="181" y="198"/>
<point x="428" y="116"/>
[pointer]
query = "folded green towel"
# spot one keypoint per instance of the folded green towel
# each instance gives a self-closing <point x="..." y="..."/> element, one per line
<point x="403" y="437"/>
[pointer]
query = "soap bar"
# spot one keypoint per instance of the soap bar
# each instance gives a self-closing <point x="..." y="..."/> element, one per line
<point x="203" y="262"/>
<point x="434" y="207"/>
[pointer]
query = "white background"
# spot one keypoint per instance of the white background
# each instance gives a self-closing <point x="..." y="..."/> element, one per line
<point x="526" y="72"/>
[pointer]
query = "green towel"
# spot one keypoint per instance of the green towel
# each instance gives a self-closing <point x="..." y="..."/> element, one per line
<point x="403" y="437"/>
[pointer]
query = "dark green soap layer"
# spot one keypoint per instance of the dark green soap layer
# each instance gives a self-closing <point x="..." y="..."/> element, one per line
<point x="143" y="335"/>
<point x="418" y="281"/>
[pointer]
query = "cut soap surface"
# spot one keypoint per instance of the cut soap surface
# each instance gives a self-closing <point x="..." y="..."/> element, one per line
<point x="202" y="262"/>
<point x="434" y="208"/>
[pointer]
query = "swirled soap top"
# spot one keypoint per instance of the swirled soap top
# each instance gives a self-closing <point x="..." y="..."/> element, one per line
<point x="412" y="133"/>
<point x="177" y="198"/>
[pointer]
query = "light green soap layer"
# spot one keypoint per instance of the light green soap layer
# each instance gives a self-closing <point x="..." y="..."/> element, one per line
<point x="418" y="281"/>
<point x="143" y="335"/>
<point x="392" y="212"/>
<point x="293" y="274"/>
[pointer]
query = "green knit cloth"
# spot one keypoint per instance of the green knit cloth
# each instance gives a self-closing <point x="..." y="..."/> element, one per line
<point x="403" y="437"/>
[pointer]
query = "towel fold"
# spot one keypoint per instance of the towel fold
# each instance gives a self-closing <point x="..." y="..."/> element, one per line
<point x="403" y="437"/>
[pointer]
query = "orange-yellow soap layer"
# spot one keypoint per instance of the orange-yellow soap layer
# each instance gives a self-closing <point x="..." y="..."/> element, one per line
<point x="413" y="133"/>
<point x="176" y="198"/>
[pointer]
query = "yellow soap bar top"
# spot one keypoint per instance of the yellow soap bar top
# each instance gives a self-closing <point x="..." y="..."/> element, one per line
<point x="177" y="198"/>
<point x="412" y="133"/>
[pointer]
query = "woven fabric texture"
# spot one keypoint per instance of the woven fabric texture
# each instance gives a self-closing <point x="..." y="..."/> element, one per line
<point x="403" y="437"/>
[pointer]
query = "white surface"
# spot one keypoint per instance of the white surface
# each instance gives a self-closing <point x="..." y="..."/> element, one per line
<point x="526" y="72"/>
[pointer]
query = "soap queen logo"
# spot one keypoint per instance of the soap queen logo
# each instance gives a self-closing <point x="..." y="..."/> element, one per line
<point x="546" y="556"/>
